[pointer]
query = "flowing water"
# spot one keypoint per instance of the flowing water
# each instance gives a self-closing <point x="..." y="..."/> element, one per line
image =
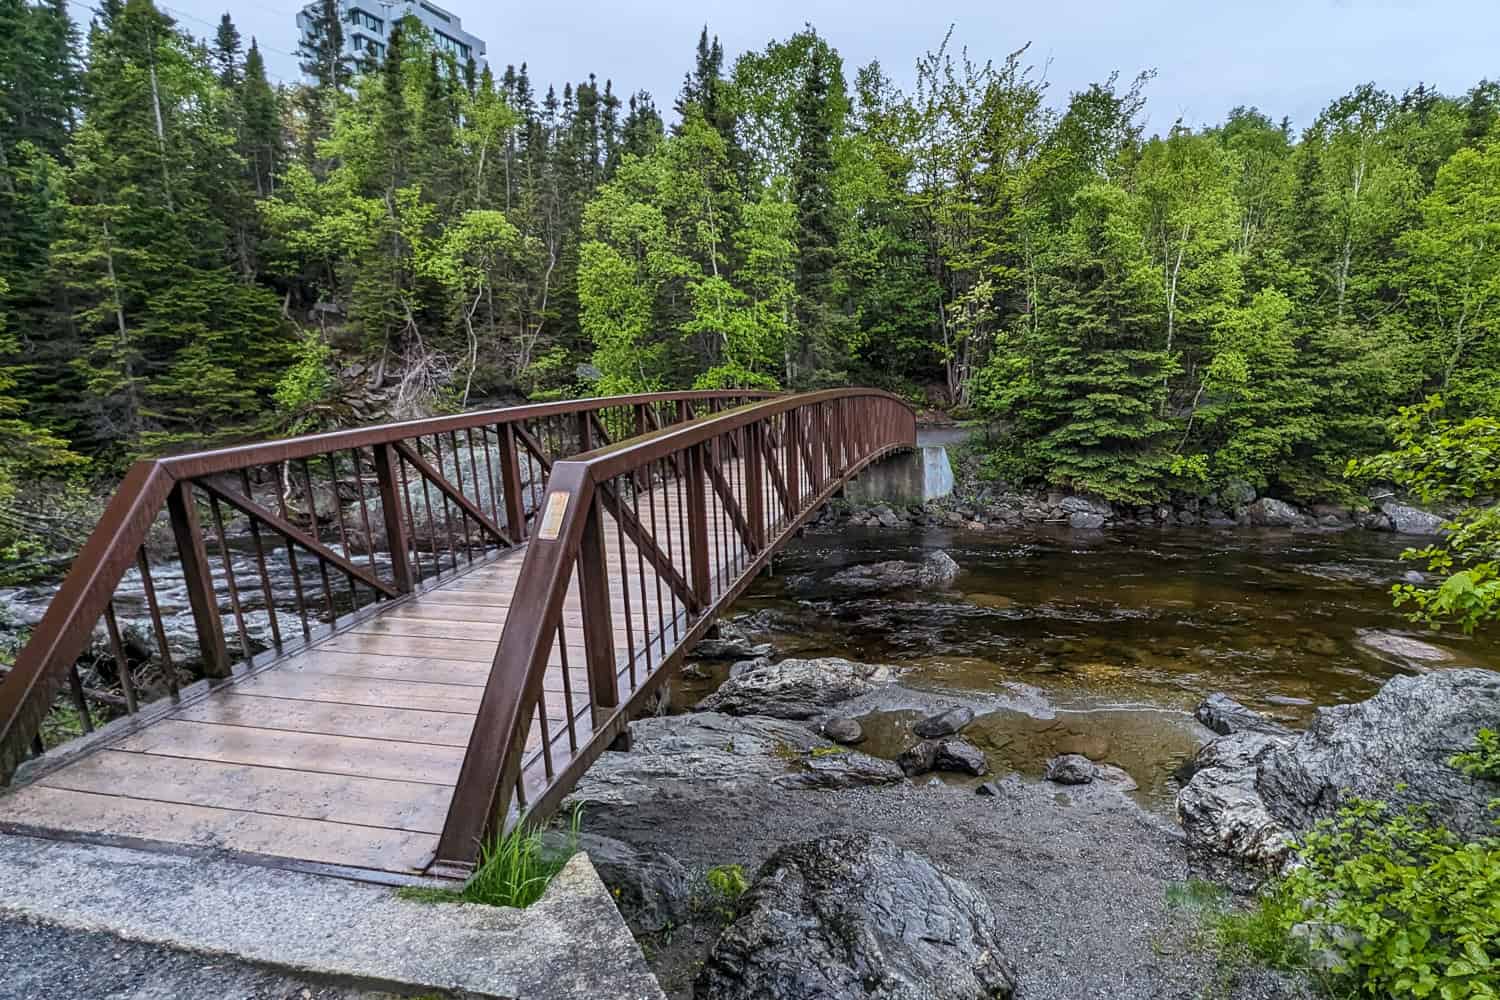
<point x="1103" y="643"/>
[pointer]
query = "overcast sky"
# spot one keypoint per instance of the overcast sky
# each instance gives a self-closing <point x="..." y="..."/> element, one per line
<point x="1289" y="57"/>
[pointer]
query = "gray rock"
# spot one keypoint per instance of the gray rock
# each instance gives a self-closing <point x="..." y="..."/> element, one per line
<point x="1118" y="777"/>
<point x="854" y="917"/>
<point x="1403" y="650"/>
<point x="1271" y="513"/>
<point x="1082" y="520"/>
<point x="1084" y="504"/>
<point x="918" y="759"/>
<point x="795" y="689"/>
<point x="944" y="723"/>
<point x="961" y="756"/>
<point x="705" y="754"/>
<point x="1251" y="791"/>
<point x="936" y="572"/>
<point x="1224" y="716"/>
<point x="1071" y="769"/>
<point x="652" y="891"/>
<point x="943" y="755"/>
<point x="844" y="730"/>
<point x="728" y="648"/>
<point x="1237" y="493"/>
<point x="1407" y="520"/>
<point x="988" y="789"/>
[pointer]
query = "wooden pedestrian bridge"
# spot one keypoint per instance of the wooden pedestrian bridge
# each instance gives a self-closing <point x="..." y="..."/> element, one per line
<point x="366" y="651"/>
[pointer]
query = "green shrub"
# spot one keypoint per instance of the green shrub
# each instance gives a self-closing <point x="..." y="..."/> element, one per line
<point x="1393" y="905"/>
<point x="726" y="883"/>
<point x="1484" y="760"/>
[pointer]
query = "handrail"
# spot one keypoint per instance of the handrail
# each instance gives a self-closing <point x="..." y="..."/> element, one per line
<point x="731" y="489"/>
<point x="403" y="460"/>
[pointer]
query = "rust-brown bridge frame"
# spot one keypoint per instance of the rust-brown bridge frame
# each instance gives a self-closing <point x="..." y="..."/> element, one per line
<point x="640" y="517"/>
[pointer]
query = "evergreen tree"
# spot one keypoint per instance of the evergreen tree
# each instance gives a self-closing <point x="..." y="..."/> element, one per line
<point x="226" y="53"/>
<point x="261" y="142"/>
<point x="816" y="357"/>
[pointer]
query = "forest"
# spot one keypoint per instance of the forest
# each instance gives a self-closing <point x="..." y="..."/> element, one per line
<point x="193" y="255"/>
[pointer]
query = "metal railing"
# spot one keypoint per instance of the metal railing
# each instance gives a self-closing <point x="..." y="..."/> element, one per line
<point x="639" y="545"/>
<point x="213" y="564"/>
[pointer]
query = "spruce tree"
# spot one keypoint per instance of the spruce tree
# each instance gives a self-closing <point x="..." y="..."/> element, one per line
<point x="817" y="356"/>
<point x="226" y="53"/>
<point x="261" y="142"/>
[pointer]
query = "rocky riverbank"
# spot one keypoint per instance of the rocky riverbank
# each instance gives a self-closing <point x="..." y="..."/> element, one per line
<point x="979" y="504"/>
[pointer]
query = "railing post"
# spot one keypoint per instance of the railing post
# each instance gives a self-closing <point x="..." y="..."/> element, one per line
<point x="598" y="628"/>
<point x="510" y="482"/>
<point x="390" y="511"/>
<point x="198" y="578"/>
<point x="585" y="432"/>
<point x="789" y="444"/>
<point x="755" y="485"/>
<point x="697" y="511"/>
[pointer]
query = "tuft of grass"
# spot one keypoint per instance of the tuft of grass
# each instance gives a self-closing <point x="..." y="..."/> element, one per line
<point x="514" y="870"/>
<point x="1197" y="895"/>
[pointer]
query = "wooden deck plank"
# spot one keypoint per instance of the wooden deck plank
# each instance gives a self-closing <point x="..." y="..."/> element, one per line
<point x="405" y="725"/>
<point x="321" y="660"/>
<point x="394" y="805"/>
<point x="371" y="758"/>
<point x="372" y="692"/>
<point x="229" y="829"/>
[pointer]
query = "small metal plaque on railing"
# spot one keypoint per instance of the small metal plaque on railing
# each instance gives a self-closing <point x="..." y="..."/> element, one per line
<point x="557" y="506"/>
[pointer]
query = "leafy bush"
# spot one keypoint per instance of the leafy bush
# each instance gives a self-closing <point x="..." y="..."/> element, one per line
<point x="1388" y="904"/>
<point x="1484" y="760"/>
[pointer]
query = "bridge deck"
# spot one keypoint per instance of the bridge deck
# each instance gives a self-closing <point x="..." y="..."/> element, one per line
<point x="347" y="752"/>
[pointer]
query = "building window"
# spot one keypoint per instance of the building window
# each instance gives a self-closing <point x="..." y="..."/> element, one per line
<point x="453" y="45"/>
<point x="363" y="19"/>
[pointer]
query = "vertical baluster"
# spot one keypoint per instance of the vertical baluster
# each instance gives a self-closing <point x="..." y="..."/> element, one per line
<point x="570" y="710"/>
<point x="315" y="532"/>
<point x="80" y="703"/>
<point x="656" y="534"/>
<point x="227" y="558"/>
<point x="489" y="473"/>
<point x="755" y="511"/>
<point x="283" y="487"/>
<point x="625" y="580"/>
<point x="793" y="472"/>
<point x="510" y="482"/>
<point x="697" y="525"/>
<point x="411" y="519"/>
<point x="437" y="559"/>
<point x="198" y="578"/>
<point x="338" y="505"/>
<point x="458" y="483"/>
<point x="364" y="513"/>
<point x="122" y="663"/>
<point x="260" y="564"/>
<point x="396" y="537"/>
<point x="437" y="455"/>
<point x="168" y="667"/>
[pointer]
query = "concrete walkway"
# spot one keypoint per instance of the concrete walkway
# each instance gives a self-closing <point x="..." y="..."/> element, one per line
<point x="570" y="945"/>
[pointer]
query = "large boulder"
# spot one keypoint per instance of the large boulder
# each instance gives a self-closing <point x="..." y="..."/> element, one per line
<point x="854" y="917"/>
<point x="935" y="572"/>
<point x="1407" y="520"/>
<point x="944" y="723"/>
<point x="1272" y="513"/>
<point x="795" y="689"/>
<point x="707" y="754"/>
<point x="652" y="891"/>
<point x="1251" y="791"/>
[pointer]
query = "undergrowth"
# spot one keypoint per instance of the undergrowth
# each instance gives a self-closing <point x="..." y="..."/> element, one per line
<point x="514" y="869"/>
<point x="1384" y="903"/>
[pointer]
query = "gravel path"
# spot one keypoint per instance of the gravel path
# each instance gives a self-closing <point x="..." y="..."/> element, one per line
<point x="50" y="963"/>
<point x="1079" y="879"/>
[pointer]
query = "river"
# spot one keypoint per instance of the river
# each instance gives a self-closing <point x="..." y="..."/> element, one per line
<point x="1103" y="643"/>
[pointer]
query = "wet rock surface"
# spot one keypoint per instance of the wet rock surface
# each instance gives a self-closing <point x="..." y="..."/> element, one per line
<point x="1252" y="790"/>
<point x="1226" y="716"/>
<point x="795" y="689"/>
<point x="944" y="723"/>
<point x="1408" y="520"/>
<point x="854" y="916"/>
<point x="846" y="731"/>
<point x="936" y="571"/>
<point x="651" y="889"/>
